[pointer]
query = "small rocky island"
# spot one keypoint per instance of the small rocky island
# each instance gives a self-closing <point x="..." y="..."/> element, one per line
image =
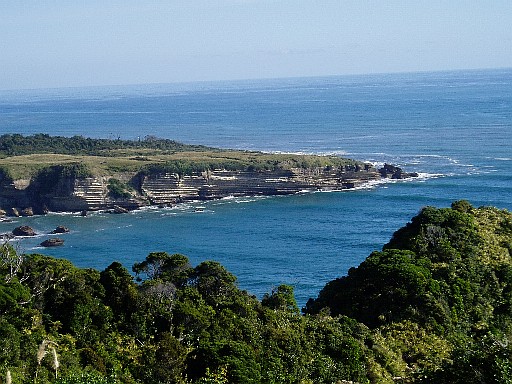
<point x="23" y="230"/>
<point x="60" y="229"/>
<point x="55" y="242"/>
<point x="40" y="173"/>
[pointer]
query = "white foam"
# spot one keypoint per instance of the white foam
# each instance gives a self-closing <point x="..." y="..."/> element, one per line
<point x="36" y="236"/>
<point x="61" y="213"/>
<point x="422" y="177"/>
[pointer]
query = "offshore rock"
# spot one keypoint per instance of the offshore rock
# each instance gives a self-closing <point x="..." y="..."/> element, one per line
<point x="61" y="229"/>
<point x="52" y="242"/>
<point x="14" y="212"/>
<point x="394" y="172"/>
<point x="23" y="230"/>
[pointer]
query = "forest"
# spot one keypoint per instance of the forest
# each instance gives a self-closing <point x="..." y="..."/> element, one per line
<point x="433" y="306"/>
<point x="16" y="145"/>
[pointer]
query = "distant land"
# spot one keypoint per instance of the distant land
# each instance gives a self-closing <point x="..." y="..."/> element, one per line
<point x="43" y="173"/>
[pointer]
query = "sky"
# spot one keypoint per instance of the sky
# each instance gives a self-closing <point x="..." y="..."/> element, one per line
<point x="63" y="43"/>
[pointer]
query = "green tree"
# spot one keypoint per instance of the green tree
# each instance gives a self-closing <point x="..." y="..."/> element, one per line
<point x="163" y="362"/>
<point x="281" y="298"/>
<point x="120" y="292"/>
<point x="160" y="265"/>
<point x="214" y="283"/>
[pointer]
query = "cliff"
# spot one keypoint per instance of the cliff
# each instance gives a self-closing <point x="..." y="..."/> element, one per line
<point x="57" y="190"/>
<point x="42" y="173"/>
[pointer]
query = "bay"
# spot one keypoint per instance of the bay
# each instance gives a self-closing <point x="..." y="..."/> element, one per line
<point x="454" y="128"/>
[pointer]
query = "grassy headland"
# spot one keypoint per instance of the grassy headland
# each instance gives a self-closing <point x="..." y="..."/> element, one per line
<point x="23" y="157"/>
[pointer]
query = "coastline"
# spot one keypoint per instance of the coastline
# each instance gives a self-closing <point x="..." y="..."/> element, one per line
<point x="43" y="173"/>
<point x="163" y="189"/>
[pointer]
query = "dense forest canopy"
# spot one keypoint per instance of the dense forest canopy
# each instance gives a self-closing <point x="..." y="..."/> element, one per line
<point x="434" y="306"/>
<point x="16" y="145"/>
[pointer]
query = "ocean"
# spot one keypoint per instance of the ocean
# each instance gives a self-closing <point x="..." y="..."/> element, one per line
<point x="453" y="128"/>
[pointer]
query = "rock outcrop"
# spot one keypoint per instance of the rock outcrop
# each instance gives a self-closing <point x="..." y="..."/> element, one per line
<point x="60" y="229"/>
<point x="118" y="210"/>
<point x="55" y="242"/>
<point x="394" y="172"/>
<point x="27" y="212"/>
<point x="23" y="230"/>
<point x="82" y="194"/>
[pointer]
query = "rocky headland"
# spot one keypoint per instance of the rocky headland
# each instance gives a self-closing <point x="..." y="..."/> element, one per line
<point x="118" y="181"/>
<point x="70" y="193"/>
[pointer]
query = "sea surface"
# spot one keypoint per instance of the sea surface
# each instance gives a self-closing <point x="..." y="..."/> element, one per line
<point x="454" y="128"/>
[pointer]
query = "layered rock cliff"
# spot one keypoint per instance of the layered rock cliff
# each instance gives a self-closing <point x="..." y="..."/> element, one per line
<point x="56" y="190"/>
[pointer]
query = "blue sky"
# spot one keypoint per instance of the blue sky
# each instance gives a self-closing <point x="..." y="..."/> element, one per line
<point x="56" y="43"/>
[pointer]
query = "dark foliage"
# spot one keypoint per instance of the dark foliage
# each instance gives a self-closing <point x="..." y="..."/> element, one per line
<point x="16" y="145"/>
<point x="434" y="306"/>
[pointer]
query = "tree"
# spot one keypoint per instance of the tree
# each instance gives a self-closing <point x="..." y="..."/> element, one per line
<point x="281" y="298"/>
<point x="214" y="283"/>
<point x="10" y="261"/>
<point x="163" y="362"/>
<point x="160" y="265"/>
<point x="120" y="291"/>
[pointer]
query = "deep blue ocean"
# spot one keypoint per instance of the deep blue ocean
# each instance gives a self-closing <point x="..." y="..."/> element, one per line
<point x="454" y="128"/>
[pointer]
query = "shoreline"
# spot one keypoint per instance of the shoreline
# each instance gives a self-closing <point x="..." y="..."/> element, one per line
<point x="368" y="185"/>
<point x="42" y="173"/>
<point x="168" y="189"/>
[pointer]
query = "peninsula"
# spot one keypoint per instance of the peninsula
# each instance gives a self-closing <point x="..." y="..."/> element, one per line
<point x="42" y="173"/>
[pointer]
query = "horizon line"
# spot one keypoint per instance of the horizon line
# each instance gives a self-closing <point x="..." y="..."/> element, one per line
<point x="234" y="80"/>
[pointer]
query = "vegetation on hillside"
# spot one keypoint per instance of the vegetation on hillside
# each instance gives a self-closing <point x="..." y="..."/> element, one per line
<point x="17" y="145"/>
<point x="24" y="157"/>
<point x="447" y="273"/>
<point x="434" y="306"/>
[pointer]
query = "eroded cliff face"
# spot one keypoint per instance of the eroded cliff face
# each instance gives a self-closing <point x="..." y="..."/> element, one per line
<point x="165" y="188"/>
<point x="13" y="194"/>
<point x="78" y="194"/>
<point x="92" y="193"/>
<point x="66" y="195"/>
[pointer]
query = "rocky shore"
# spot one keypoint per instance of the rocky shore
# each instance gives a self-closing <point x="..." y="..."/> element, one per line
<point x="71" y="193"/>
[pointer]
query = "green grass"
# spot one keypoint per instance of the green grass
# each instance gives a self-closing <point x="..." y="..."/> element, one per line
<point x="133" y="157"/>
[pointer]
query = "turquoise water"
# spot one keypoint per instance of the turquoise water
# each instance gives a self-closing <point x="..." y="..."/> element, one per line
<point x="454" y="128"/>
